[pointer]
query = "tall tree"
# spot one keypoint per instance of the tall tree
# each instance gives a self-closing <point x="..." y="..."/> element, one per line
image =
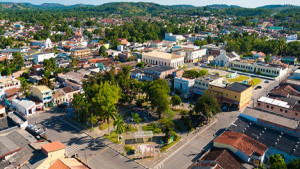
<point x="93" y="120"/>
<point x="207" y="104"/>
<point x="159" y="96"/>
<point x="175" y="100"/>
<point x="102" y="51"/>
<point x="119" y="124"/>
<point x="18" y="60"/>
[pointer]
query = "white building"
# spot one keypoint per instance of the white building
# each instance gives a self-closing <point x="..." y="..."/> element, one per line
<point x="171" y="37"/>
<point x="47" y="44"/>
<point x="166" y="59"/>
<point x="40" y="57"/>
<point x="265" y="69"/>
<point x="224" y="59"/>
<point x="26" y="107"/>
<point x="202" y="83"/>
<point x="195" y="55"/>
<point x="185" y="85"/>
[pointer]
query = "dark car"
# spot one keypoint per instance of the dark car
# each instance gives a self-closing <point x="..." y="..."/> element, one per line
<point x="257" y="87"/>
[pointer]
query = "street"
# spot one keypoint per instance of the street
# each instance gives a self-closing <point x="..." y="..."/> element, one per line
<point x="92" y="151"/>
<point x="190" y="152"/>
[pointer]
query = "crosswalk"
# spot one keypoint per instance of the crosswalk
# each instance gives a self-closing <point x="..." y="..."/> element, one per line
<point x="72" y="149"/>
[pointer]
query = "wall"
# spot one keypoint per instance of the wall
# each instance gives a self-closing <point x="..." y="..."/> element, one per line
<point x="278" y="110"/>
<point x="52" y="157"/>
<point x="234" y="150"/>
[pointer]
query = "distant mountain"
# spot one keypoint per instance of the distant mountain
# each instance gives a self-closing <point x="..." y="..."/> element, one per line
<point x="182" y="6"/>
<point x="278" y="7"/>
<point x="11" y="5"/>
<point x="221" y="6"/>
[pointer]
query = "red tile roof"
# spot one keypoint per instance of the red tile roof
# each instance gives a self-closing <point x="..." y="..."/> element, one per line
<point x="1" y="106"/>
<point x="242" y="142"/>
<point x="54" y="146"/>
<point x="59" y="165"/>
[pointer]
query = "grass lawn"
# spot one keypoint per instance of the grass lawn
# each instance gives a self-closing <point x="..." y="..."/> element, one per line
<point x="256" y="81"/>
<point x="239" y="79"/>
<point x="113" y="137"/>
<point x="105" y="126"/>
<point x="167" y="146"/>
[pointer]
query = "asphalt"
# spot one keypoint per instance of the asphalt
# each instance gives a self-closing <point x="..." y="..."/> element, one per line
<point x="90" y="150"/>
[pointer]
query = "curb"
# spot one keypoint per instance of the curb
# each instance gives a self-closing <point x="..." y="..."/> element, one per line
<point x="159" y="165"/>
<point x="104" y="143"/>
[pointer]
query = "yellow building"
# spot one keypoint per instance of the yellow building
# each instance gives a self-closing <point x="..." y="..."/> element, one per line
<point x="42" y="92"/>
<point x="53" y="151"/>
<point x="236" y="95"/>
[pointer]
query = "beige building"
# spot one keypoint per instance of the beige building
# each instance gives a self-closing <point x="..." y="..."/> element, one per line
<point x="64" y="95"/>
<point x="80" y="52"/>
<point x="161" y="58"/>
<point x="53" y="151"/>
<point x="42" y="92"/>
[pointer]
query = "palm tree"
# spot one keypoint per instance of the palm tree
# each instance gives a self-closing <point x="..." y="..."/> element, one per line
<point x="24" y="85"/>
<point x="92" y="120"/>
<point x="119" y="123"/>
<point x="76" y="104"/>
<point x="110" y="113"/>
<point x="47" y="82"/>
<point x="136" y="118"/>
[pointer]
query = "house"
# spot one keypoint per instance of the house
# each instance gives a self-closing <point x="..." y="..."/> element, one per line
<point x="40" y="57"/>
<point x="202" y="83"/>
<point x="218" y="158"/>
<point x="224" y="60"/>
<point x="185" y="85"/>
<point x="67" y="163"/>
<point x="11" y="93"/>
<point x="8" y="83"/>
<point x="27" y="64"/>
<point x="124" y="56"/>
<point x="166" y="59"/>
<point x="122" y="41"/>
<point x="64" y="95"/>
<point x="195" y="55"/>
<point x="207" y="58"/>
<point x="25" y="107"/>
<point x="2" y="111"/>
<point x="71" y="78"/>
<point x="272" y="70"/>
<point x="171" y="37"/>
<point x="290" y="60"/>
<point x="158" y="72"/>
<point x="47" y="156"/>
<point x="235" y="95"/>
<point x="80" y="52"/>
<point x="288" y="107"/>
<point x="44" y="94"/>
<point x="245" y="147"/>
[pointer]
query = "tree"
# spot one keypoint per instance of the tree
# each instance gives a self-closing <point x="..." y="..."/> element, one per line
<point x="47" y="82"/>
<point x="294" y="164"/>
<point x="119" y="123"/>
<point x="18" y="60"/>
<point x="277" y="162"/>
<point x="209" y="39"/>
<point x="207" y="104"/>
<point x="175" y="100"/>
<point x="102" y="51"/>
<point x="141" y="65"/>
<point x="24" y="85"/>
<point x="136" y="118"/>
<point x="159" y="96"/>
<point x="267" y="58"/>
<point x="197" y="43"/>
<point x="77" y="104"/>
<point x="93" y="120"/>
<point x="258" y="72"/>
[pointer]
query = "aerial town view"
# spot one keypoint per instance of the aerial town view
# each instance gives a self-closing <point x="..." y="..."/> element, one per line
<point x="104" y="84"/>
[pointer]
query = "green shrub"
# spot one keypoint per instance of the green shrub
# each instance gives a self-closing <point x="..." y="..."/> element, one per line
<point x="129" y="149"/>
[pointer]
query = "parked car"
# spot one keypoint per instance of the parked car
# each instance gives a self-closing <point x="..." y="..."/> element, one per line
<point x="267" y="81"/>
<point x="257" y="87"/>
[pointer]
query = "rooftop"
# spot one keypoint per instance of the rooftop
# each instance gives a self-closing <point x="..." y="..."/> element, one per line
<point x="159" y="68"/>
<point x="272" y="118"/>
<point x="208" y="78"/>
<point x="58" y="165"/>
<point x="163" y="55"/>
<point x="237" y="87"/>
<point x="269" y="137"/>
<point x="54" y="146"/>
<point x="242" y="142"/>
<point x="42" y="88"/>
<point x="274" y="102"/>
<point x="222" y="157"/>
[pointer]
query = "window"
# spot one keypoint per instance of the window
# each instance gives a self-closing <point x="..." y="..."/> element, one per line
<point x="296" y="114"/>
<point x="226" y="94"/>
<point x="272" y="107"/>
<point x="281" y="110"/>
<point x="258" y="104"/>
<point x="234" y="96"/>
<point x="285" y="111"/>
<point x="268" y="106"/>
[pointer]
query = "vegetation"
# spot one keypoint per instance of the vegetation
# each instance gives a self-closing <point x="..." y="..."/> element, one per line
<point x="207" y="105"/>
<point x="114" y="137"/>
<point x="152" y="127"/>
<point x="239" y="79"/>
<point x="193" y="73"/>
<point x="175" y="100"/>
<point x="255" y="81"/>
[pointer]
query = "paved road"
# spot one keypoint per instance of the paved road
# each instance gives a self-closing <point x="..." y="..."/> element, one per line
<point x="97" y="155"/>
<point x="192" y="150"/>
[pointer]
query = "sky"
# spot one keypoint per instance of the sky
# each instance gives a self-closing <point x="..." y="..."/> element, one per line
<point x="243" y="3"/>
